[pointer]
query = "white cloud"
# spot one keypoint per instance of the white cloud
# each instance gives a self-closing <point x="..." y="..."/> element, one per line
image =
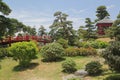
<point x="77" y="22"/>
<point x="110" y="7"/>
<point x="74" y="11"/>
<point x="42" y="18"/>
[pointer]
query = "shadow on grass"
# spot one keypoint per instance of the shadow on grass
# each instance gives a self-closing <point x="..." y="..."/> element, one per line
<point x="53" y="60"/>
<point x="21" y="68"/>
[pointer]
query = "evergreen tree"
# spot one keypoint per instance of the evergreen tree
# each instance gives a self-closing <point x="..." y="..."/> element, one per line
<point x="41" y="30"/>
<point x="114" y="31"/>
<point x="101" y="12"/>
<point x="61" y="26"/>
<point x="90" y="29"/>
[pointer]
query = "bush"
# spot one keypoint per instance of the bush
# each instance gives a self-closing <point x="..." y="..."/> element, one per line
<point x="23" y="52"/>
<point x="95" y="44"/>
<point x="63" y="42"/>
<point x="94" y="68"/>
<point x="52" y="51"/>
<point x="112" y="56"/>
<point x="71" y="51"/>
<point x="69" y="66"/>
<point x="87" y="51"/>
<point x="4" y="52"/>
<point x="74" y="79"/>
<point x="113" y="77"/>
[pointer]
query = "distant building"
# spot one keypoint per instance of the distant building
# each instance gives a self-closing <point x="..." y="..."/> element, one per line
<point x="103" y="24"/>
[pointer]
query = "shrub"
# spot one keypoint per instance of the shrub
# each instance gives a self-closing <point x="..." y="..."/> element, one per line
<point x="112" y="56"/>
<point x="23" y="52"/>
<point x="71" y="51"/>
<point x="94" y="68"/>
<point x="52" y="51"/>
<point x="87" y="51"/>
<point x="74" y="79"/>
<point x="63" y="42"/>
<point x="69" y="66"/>
<point x="113" y="77"/>
<point x="4" y="52"/>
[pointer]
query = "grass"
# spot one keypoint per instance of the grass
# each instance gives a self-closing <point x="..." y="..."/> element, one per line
<point x="39" y="70"/>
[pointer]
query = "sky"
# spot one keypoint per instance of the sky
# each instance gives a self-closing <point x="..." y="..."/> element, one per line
<point x="40" y="12"/>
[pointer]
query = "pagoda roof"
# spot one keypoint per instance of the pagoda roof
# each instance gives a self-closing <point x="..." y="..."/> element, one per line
<point x="105" y="20"/>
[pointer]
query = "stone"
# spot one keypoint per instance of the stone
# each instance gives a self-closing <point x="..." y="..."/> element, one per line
<point x="81" y="73"/>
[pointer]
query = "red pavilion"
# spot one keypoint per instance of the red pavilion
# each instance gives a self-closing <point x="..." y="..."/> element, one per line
<point x="103" y="24"/>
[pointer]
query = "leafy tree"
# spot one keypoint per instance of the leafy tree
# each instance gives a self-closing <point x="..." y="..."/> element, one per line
<point x="114" y="31"/>
<point x="61" y="26"/>
<point x="101" y="12"/>
<point x="41" y="30"/>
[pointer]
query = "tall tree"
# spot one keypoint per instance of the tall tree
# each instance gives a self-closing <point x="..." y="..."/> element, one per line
<point x="4" y="8"/>
<point x="102" y="12"/>
<point x="114" y="31"/>
<point x="61" y="26"/>
<point x="41" y="30"/>
<point x="90" y="29"/>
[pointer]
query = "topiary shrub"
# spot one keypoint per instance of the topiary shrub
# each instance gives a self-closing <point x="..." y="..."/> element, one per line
<point x="112" y="56"/>
<point x="52" y="52"/>
<point x="71" y="51"/>
<point x="69" y="66"/>
<point x="23" y="52"/>
<point x="63" y="42"/>
<point x="113" y="77"/>
<point x="94" y="68"/>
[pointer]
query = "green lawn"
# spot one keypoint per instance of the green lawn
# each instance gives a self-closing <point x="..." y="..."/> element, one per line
<point x="40" y="70"/>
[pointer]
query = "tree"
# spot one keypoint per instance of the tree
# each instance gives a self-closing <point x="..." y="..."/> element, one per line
<point x="101" y="12"/>
<point x="90" y="29"/>
<point x="114" y="31"/>
<point x="62" y="25"/>
<point x="4" y="8"/>
<point x="81" y="32"/>
<point x="41" y="30"/>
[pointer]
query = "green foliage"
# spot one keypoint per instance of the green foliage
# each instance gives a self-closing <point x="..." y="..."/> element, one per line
<point x="95" y="44"/>
<point x="52" y="51"/>
<point x="4" y="52"/>
<point x="114" y="31"/>
<point x="71" y="51"/>
<point x="23" y="52"/>
<point x="113" y="77"/>
<point x="87" y="51"/>
<point x="4" y="8"/>
<point x="74" y="79"/>
<point x="94" y="68"/>
<point x="61" y="27"/>
<point x="99" y="44"/>
<point x="63" y="42"/>
<point x="112" y="56"/>
<point x="69" y="66"/>
<point x="102" y="12"/>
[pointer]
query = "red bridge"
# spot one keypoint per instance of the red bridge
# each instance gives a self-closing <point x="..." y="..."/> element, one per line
<point x="9" y="40"/>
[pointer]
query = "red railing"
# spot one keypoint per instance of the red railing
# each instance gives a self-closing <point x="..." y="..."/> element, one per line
<point x="9" y="40"/>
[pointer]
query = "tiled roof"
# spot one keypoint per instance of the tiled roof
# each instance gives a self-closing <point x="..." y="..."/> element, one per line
<point x="105" y="20"/>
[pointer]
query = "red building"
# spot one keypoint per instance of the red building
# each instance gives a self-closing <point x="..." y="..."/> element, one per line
<point x="103" y="24"/>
